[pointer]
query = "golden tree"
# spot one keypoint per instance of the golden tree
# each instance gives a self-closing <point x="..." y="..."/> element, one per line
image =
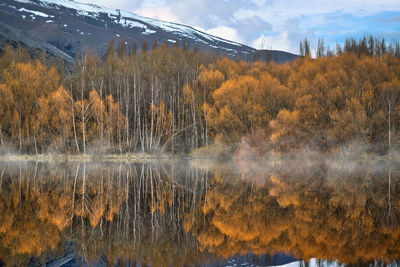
<point x="27" y="83"/>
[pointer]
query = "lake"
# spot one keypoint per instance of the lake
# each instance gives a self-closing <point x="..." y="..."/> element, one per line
<point x="198" y="213"/>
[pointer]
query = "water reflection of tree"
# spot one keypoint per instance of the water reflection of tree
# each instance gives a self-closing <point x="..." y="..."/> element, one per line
<point x="126" y="212"/>
<point x="308" y="212"/>
<point x="179" y="216"/>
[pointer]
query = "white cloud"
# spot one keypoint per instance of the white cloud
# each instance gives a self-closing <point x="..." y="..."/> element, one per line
<point x="226" y="33"/>
<point x="113" y="4"/>
<point x="161" y="13"/>
<point x="278" y="42"/>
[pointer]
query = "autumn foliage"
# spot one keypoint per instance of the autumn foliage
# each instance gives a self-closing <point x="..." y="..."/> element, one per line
<point x="172" y="99"/>
<point x="322" y="104"/>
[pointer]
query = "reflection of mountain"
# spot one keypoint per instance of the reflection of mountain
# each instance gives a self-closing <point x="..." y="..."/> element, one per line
<point x="179" y="216"/>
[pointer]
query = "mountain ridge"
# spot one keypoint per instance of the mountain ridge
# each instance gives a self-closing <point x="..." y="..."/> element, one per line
<point x="64" y="27"/>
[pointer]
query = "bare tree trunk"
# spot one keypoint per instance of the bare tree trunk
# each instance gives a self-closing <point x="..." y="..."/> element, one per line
<point x="82" y="63"/>
<point x="20" y="133"/>
<point x="127" y="102"/>
<point x="206" y="130"/>
<point x="194" y="126"/>
<point x="73" y="122"/>
<point x="102" y="119"/>
<point x="135" y="111"/>
<point x="389" y="130"/>
<point x="173" y="126"/>
<point x="390" y="180"/>
<point x="83" y="120"/>
<point x="83" y="129"/>
<point x="36" y="149"/>
<point x="152" y="116"/>
<point x="2" y="142"/>
<point x="118" y="116"/>
<point x="145" y="132"/>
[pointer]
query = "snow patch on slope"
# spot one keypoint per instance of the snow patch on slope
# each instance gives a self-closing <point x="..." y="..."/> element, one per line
<point x="88" y="14"/>
<point x="134" y="24"/>
<point x="148" y="31"/>
<point x="37" y="13"/>
<point x="131" y="20"/>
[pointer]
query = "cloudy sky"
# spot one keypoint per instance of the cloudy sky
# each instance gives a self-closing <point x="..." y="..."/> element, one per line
<point x="275" y="24"/>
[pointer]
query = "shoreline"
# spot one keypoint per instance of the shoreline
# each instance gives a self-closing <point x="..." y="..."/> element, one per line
<point x="168" y="157"/>
<point x="128" y="157"/>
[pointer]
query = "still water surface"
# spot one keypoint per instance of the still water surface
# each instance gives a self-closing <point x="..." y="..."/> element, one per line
<point x="198" y="214"/>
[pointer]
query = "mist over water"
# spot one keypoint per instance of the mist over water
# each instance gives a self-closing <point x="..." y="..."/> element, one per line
<point x="187" y="213"/>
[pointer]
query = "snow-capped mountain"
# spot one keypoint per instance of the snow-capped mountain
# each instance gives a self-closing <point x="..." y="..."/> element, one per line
<point x="63" y="27"/>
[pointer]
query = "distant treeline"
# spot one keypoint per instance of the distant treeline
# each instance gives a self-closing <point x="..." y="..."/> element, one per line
<point x="176" y="100"/>
<point x="368" y="45"/>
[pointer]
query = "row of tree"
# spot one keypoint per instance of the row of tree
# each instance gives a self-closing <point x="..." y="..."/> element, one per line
<point x="367" y="45"/>
<point x="126" y="102"/>
<point x="173" y="99"/>
<point x="322" y="104"/>
<point x="38" y="112"/>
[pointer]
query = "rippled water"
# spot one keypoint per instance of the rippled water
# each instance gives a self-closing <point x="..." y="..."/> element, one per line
<point x="192" y="213"/>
